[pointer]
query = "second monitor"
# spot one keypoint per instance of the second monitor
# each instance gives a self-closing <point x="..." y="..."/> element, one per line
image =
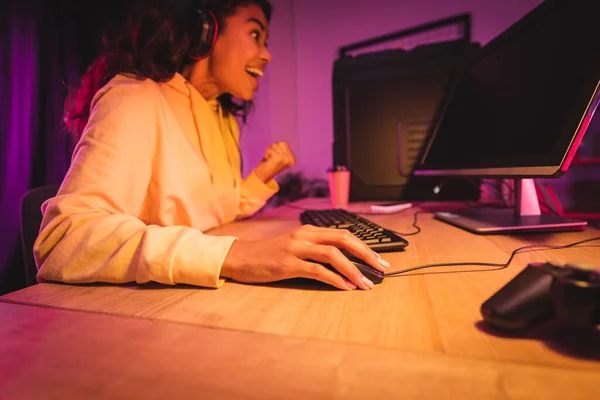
<point x="519" y="110"/>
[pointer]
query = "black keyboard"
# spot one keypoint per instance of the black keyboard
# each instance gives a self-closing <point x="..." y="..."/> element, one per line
<point x="375" y="236"/>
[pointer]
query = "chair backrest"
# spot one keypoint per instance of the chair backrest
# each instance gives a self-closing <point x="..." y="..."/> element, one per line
<point x="31" y="220"/>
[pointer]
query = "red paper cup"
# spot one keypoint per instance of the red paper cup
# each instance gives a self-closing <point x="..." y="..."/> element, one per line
<point x="339" y="188"/>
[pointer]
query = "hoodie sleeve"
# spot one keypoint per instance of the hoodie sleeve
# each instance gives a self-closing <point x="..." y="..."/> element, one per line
<point x="89" y="231"/>
<point x="254" y="193"/>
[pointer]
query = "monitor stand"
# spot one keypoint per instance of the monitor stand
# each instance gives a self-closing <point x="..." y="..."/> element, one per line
<point x="524" y="217"/>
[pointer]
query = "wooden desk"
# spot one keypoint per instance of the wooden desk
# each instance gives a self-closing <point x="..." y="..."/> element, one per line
<point x="50" y="353"/>
<point x="424" y="325"/>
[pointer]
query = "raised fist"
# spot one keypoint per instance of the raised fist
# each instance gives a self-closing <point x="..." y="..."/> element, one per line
<point x="278" y="157"/>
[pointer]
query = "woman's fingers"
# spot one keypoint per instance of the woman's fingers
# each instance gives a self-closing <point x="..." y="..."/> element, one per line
<point x="284" y="151"/>
<point x="308" y="252"/>
<point x="331" y="255"/>
<point x="269" y="152"/>
<point x="312" y="270"/>
<point x="343" y="239"/>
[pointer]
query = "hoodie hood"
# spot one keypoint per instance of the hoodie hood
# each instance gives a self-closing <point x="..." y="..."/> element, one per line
<point x="215" y="135"/>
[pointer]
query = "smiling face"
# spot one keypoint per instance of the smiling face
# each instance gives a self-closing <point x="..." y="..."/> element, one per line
<point x="240" y="54"/>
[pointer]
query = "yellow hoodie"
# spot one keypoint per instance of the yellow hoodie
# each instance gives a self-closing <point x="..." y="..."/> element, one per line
<point x="156" y="166"/>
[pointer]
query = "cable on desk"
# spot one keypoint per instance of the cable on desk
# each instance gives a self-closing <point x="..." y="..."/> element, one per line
<point x="417" y="227"/>
<point x="469" y="263"/>
<point x="501" y="266"/>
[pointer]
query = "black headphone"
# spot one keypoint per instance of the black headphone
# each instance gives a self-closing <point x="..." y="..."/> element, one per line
<point x="205" y="35"/>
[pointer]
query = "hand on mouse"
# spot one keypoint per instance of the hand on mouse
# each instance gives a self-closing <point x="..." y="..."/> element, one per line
<point x="285" y="256"/>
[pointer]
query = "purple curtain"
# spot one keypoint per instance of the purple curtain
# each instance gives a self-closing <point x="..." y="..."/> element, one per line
<point x="37" y="61"/>
<point x="18" y="58"/>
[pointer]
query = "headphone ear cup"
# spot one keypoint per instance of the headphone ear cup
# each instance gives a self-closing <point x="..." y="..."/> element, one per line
<point x="205" y="35"/>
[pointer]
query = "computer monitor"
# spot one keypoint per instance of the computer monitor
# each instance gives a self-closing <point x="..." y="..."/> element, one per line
<point x="519" y="110"/>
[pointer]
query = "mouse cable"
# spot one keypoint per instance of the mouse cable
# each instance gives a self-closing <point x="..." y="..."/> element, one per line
<point x="523" y="249"/>
<point x="501" y="266"/>
<point x="417" y="227"/>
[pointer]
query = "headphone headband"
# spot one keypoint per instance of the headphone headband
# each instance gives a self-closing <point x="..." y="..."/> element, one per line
<point x="205" y="33"/>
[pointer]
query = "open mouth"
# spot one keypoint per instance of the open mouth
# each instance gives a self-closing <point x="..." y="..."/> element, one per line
<point x="254" y="72"/>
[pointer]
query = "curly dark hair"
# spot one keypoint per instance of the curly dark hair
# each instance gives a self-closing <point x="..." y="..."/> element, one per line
<point x="152" y="45"/>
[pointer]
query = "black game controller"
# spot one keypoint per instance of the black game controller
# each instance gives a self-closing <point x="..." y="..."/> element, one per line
<point x="543" y="291"/>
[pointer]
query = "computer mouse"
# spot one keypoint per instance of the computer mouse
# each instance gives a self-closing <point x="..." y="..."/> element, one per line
<point x="371" y="273"/>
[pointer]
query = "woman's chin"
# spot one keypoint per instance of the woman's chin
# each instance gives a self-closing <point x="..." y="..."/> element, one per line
<point x="244" y="93"/>
<point x="245" y="96"/>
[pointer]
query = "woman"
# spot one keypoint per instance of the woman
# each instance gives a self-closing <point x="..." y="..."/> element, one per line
<point x="158" y="161"/>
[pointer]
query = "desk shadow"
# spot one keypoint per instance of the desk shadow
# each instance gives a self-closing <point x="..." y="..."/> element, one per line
<point x="135" y="286"/>
<point x="300" y="284"/>
<point x="92" y="284"/>
<point x="568" y="339"/>
<point x="179" y="286"/>
<point x="292" y="284"/>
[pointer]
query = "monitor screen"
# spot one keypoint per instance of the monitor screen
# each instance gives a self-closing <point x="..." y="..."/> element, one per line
<point x="520" y="107"/>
